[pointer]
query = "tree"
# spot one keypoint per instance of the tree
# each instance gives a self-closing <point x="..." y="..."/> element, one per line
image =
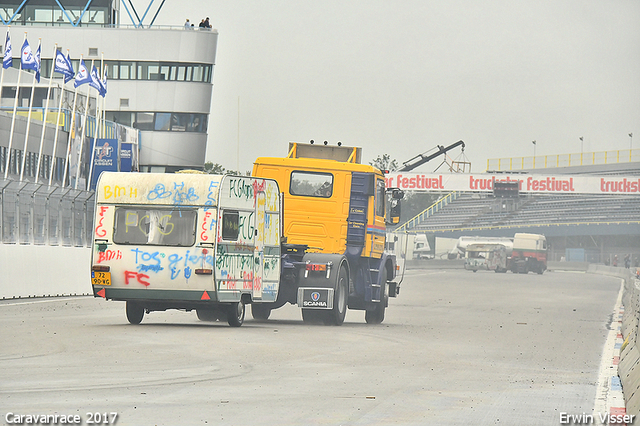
<point x="415" y="203"/>
<point x="217" y="169"/>
<point x="214" y="169"/>
<point x="385" y="163"/>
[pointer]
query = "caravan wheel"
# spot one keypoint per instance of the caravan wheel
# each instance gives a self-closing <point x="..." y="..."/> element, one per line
<point x="135" y="312"/>
<point x="235" y="314"/>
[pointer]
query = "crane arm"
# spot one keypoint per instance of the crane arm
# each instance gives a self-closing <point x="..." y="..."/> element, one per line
<point x="420" y="159"/>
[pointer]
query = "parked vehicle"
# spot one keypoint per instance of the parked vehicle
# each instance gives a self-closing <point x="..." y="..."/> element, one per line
<point x="491" y="257"/>
<point x="421" y="247"/>
<point x="529" y="254"/>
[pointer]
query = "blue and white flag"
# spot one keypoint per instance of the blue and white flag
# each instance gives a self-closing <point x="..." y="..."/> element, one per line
<point x="70" y="76"/>
<point x="7" y="61"/>
<point x="83" y="76"/>
<point x="27" y="60"/>
<point x="38" y="62"/>
<point x="95" y="81"/>
<point x="63" y="66"/>
<point x="104" y="82"/>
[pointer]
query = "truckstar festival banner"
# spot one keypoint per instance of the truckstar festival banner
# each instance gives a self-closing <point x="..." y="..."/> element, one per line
<point x="536" y="183"/>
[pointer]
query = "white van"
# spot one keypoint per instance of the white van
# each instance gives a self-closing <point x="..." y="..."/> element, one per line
<point x="209" y="243"/>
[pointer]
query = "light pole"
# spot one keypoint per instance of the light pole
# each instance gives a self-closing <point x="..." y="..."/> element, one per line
<point x="534" y="153"/>
<point x="630" y="141"/>
<point x="581" y="144"/>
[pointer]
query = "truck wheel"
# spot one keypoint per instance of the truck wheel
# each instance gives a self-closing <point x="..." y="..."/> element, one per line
<point x="235" y="314"/>
<point x="376" y="316"/>
<point x="207" y="314"/>
<point x="312" y="316"/>
<point x="340" y="296"/>
<point x="135" y="312"/>
<point x="260" y="312"/>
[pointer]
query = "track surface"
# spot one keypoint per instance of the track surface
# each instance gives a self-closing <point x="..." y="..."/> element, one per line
<point x="456" y="348"/>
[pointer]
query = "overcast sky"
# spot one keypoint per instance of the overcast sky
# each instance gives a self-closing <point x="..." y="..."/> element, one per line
<point x="400" y="77"/>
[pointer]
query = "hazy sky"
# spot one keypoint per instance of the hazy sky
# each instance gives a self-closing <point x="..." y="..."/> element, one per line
<point x="400" y="77"/>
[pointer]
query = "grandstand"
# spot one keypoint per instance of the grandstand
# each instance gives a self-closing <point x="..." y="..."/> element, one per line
<point x="602" y="225"/>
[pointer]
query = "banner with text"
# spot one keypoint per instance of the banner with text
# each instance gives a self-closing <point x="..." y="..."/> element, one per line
<point x="104" y="158"/>
<point x="536" y="183"/>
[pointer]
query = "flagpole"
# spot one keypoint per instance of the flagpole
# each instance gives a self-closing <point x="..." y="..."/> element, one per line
<point x="46" y="110"/>
<point x="103" y="132"/>
<point x="55" y="138"/>
<point x="71" y="126"/>
<point x="95" y="134"/>
<point x="103" y="129"/>
<point x="84" y="128"/>
<point x="13" y="119"/>
<point x="4" y="70"/>
<point x="26" y="133"/>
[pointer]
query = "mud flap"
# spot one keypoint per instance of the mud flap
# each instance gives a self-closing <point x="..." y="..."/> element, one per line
<point x="315" y="298"/>
<point x="393" y="289"/>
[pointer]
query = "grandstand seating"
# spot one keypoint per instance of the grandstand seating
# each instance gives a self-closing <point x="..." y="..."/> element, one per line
<point x="472" y="210"/>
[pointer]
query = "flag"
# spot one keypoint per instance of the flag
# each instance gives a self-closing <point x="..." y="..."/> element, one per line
<point x="63" y="66"/>
<point x="7" y="61"/>
<point x="27" y="60"/>
<point x="38" y="61"/>
<point x="83" y="76"/>
<point x="104" y="82"/>
<point x="95" y="81"/>
<point x="70" y="76"/>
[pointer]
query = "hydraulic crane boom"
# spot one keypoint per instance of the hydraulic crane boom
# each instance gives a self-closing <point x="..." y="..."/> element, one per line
<point x="420" y="159"/>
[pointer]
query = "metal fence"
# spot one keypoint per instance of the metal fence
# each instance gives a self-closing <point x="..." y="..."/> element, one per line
<point x="35" y="213"/>
<point x="564" y="160"/>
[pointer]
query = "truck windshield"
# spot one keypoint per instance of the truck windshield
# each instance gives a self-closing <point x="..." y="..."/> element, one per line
<point x="154" y="226"/>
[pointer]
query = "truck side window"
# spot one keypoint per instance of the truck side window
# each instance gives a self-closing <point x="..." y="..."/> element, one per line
<point x="311" y="184"/>
<point x="380" y="197"/>
<point x="141" y="226"/>
<point x="230" y="225"/>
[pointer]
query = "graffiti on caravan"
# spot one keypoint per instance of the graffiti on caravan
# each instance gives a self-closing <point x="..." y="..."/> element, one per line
<point x="535" y="183"/>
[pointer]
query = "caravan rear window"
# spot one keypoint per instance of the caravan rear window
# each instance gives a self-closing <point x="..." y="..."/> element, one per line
<point x="164" y="227"/>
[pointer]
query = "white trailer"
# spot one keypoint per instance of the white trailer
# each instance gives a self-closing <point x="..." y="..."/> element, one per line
<point x="209" y="243"/>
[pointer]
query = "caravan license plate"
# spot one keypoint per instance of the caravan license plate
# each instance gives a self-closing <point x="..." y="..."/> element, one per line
<point x="315" y="298"/>
<point x="100" y="278"/>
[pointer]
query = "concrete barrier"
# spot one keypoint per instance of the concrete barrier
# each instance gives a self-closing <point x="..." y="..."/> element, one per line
<point x="629" y="364"/>
<point x="41" y="271"/>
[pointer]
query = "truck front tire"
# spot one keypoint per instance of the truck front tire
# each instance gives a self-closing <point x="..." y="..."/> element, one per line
<point x="376" y="316"/>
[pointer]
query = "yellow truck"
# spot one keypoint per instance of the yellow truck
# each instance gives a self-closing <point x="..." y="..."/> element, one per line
<point x="335" y="212"/>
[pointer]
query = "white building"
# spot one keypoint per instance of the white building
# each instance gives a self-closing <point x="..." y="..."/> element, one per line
<point x="160" y="80"/>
